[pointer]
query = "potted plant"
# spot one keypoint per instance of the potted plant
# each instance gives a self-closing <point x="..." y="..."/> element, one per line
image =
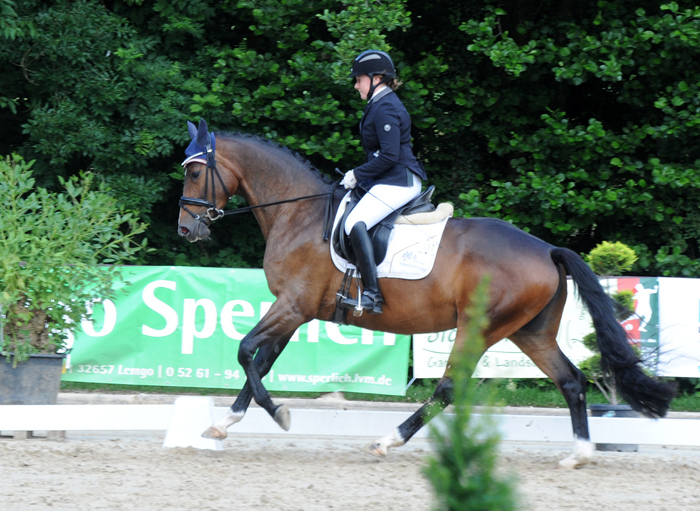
<point x="610" y="259"/>
<point x="55" y="249"/>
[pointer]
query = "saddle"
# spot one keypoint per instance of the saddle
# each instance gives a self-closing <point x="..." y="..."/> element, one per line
<point x="381" y="232"/>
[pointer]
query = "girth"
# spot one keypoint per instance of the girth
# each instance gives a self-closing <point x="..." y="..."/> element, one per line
<point x="381" y="232"/>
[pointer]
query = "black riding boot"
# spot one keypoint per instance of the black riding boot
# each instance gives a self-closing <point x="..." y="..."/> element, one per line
<point x="364" y="253"/>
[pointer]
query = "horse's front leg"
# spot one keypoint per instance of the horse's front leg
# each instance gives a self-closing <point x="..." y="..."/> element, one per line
<point x="280" y="322"/>
<point x="264" y="359"/>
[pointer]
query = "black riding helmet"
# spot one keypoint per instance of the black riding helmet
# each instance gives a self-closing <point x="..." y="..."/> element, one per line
<point x="371" y="63"/>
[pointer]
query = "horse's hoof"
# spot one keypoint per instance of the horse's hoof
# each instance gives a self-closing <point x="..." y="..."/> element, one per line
<point x="215" y="433"/>
<point x="582" y="455"/>
<point x="375" y="449"/>
<point x="573" y="462"/>
<point x="282" y="417"/>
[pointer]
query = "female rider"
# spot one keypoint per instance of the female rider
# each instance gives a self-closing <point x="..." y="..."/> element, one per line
<point x="391" y="175"/>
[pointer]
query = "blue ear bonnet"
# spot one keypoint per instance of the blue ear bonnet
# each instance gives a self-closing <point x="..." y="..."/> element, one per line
<point x="203" y="144"/>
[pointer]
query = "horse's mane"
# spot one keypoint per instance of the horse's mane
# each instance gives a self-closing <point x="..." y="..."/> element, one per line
<point x="265" y="143"/>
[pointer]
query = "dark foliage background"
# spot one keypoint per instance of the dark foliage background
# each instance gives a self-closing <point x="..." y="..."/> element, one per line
<point x="577" y="121"/>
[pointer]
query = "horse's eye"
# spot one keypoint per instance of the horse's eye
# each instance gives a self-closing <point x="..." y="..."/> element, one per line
<point x="195" y="174"/>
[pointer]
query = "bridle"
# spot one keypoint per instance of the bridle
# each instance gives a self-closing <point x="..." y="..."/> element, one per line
<point x="213" y="213"/>
<point x="212" y="173"/>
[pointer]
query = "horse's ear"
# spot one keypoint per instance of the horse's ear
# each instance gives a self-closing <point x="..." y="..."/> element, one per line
<point x="192" y="129"/>
<point x="202" y="134"/>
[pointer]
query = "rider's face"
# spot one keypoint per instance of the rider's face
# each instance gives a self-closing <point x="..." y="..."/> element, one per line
<point x="362" y="84"/>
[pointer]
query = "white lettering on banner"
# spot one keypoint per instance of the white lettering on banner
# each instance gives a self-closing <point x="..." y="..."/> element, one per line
<point x="110" y="319"/>
<point x="190" y="305"/>
<point x="142" y="372"/>
<point x="189" y="328"/>
<point x="162" y="308"/>
<point x="230" y="310"/>
<point x="333" y="378"/>
<point x="334" y="335"/>
<point x="228" y="313"/>
<point x="313" y="331"/>
<point x="367" y="336"/>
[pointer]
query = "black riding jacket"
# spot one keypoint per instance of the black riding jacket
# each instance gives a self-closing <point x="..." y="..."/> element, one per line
<point x="385" y="134"/>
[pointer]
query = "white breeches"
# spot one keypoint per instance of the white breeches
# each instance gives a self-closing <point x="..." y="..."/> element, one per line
<point x="380" y="201"/>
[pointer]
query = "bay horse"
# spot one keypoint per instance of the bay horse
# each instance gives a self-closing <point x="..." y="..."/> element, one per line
<point x="527" y="288"/>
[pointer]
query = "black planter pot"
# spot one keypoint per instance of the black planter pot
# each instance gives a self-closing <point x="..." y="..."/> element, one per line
<point x="34" y="382"/>
<point x="612" y="411"/>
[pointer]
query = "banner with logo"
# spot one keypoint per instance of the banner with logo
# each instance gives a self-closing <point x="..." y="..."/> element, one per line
<point x="182" y="326"/>
<point x="505" y="360"/>
<point x="644" y="326"/>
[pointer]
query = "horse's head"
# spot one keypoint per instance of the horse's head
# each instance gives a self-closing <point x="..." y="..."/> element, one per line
<point x="205" y="193"/>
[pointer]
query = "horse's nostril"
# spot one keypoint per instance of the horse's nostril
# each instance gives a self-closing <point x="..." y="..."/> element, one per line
<point x="183" y="231"/>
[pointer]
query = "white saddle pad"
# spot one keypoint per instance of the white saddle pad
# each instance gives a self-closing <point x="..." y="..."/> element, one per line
<point x="411" y="252"/>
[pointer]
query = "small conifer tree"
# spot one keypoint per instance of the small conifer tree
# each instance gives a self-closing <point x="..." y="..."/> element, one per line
<point x="463" y="468"/>
<point x="611" y="258"/>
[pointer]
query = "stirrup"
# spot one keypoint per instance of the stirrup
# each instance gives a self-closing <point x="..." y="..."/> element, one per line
<point x="370" y="302"/>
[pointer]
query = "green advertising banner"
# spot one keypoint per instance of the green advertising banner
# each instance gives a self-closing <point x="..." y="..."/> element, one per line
<point x="181" y="326"/>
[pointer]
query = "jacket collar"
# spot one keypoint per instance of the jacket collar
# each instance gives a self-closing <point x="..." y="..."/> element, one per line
<point x="373" y="100"/>
<point x="379" y="95"/>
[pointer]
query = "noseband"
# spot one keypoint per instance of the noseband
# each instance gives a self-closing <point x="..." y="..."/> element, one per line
<point x="212" y="213"/>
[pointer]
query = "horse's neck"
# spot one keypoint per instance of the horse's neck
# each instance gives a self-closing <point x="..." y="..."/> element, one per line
<point x="269" y="175"/>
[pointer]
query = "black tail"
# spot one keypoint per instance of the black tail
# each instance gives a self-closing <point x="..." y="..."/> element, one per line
<point x="646" y="395"/>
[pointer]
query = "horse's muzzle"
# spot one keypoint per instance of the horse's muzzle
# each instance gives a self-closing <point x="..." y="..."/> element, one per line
<point x="196" y="231"/>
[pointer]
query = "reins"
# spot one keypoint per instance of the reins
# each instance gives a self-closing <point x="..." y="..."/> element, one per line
<point x="213" y="213"/>
<point x="328" y="218"/>
<point x="189" y="201"/>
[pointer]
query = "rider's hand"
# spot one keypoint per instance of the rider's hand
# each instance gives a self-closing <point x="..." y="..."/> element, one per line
<point x="349" y="180"/>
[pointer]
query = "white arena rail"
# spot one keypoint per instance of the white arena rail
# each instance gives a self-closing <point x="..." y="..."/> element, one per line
<point x="325" y="422"/>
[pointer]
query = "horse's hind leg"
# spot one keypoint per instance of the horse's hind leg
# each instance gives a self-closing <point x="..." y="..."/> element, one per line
<point x="570" y="381"/>
<point x="402" y="434"/>
<point x="264" y="358"/>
